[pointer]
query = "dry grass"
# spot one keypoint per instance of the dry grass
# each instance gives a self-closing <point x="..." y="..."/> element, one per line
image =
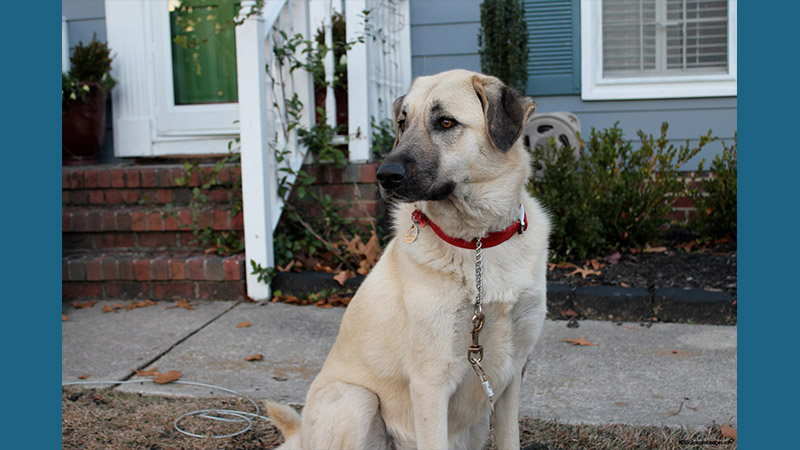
<point x="103" y="419"/>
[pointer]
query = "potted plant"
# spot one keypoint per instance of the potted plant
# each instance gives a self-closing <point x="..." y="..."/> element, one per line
<point x="83" y="102"/>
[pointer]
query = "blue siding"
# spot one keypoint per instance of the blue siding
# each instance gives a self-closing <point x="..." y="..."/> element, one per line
<point x="687" y="119"/>
<point x="444" y="37"/>
<point x="85" y="18"/>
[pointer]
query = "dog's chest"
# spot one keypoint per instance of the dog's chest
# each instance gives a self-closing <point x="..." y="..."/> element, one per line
<point x="507" y="338"/>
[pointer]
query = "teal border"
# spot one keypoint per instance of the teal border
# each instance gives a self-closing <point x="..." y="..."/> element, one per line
<point x="767" y="225"/>
<point x="31" y="235"/>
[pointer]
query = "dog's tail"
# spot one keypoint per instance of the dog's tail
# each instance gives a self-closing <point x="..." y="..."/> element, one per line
<point x="284" y="417"/>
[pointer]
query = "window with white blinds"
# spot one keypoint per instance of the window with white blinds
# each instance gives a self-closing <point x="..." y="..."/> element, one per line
<point x="664" y="37"/>
<point x="648" y="49"/>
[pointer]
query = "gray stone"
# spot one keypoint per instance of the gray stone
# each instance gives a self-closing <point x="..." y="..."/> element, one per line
<point x="294" y="341"/>
<point x="107" y="345"/>
<point x="663" y="375"/>
<point x="634" y="375"/>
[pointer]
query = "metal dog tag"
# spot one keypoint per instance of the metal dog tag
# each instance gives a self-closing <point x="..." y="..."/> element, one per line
<point x="411" y="234"/>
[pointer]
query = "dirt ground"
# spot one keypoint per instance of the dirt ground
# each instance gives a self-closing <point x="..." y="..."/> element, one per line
<point x="671" y="264"/>
<point x="105" y="419"/>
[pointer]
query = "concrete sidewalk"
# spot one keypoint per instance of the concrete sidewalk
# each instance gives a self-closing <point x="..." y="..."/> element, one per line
<point x="666" y="374"/>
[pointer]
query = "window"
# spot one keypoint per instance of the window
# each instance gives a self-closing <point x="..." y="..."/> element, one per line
<point x="635" y="49"/>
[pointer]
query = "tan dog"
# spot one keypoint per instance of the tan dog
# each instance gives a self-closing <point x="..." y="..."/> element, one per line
<point x="398" y="376"/>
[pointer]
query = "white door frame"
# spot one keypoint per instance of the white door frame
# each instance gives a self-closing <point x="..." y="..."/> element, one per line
<point x="146" y="120"/>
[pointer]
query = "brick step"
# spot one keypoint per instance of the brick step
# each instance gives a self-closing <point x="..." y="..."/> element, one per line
<point x="165" y="275"/>
<point x="144" y="219"/>
<point x="132" y="185"/>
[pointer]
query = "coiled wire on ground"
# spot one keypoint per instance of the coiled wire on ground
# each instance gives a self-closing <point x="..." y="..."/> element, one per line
<point x="220" y="415"/>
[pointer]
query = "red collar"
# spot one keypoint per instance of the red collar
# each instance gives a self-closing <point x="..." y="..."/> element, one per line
<point x="490" y="240"/>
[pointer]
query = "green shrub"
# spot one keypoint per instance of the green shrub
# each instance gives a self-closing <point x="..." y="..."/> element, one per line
<point x="565" y="192"/>
<point x="503" y="42"/>
<point x="92" y="63"/>
<point x="612" y="196"/>
<point x="715" y="216"/>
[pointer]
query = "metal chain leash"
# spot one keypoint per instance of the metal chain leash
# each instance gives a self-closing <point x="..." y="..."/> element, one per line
<point x="475" y="353"/>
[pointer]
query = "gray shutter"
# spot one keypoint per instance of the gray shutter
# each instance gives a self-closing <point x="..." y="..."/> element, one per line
<point x="553" y="47"/>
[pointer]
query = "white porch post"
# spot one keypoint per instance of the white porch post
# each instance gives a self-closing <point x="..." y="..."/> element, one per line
<point x="130" y="35"/>
<point x="258" y="162"/>
<point x="357" y="84"/>
<point x="64" y="45"/>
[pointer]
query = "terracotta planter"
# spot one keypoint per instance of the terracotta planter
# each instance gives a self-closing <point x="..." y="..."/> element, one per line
<point x="83" y="127"/>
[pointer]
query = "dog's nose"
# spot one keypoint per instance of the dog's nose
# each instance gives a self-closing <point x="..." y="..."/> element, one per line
<point x="391" y="175"/>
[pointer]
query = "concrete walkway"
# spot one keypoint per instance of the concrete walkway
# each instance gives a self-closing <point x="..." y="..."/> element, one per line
<point x="666" y="374"/>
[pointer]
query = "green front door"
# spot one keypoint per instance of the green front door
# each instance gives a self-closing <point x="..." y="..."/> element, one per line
<point x="203" y="51"/>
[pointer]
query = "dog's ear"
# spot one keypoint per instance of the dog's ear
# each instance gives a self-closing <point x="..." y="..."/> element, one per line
<point x="505" y="109"/>
<point x="398" y="103"/>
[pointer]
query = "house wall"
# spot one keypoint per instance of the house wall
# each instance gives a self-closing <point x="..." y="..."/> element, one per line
<point x="86" y="19"/>
<point x="444" y="36"/>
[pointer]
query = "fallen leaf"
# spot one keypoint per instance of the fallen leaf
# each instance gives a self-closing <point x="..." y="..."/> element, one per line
<point x="83" y="377"/>
<point x="318" y="267"/>
<point x="613" y="258"/>
<point x="691" y="407"/>
<point x="108" y="308"/>
<point x="244" y="324"/>
<point x="624" y="284"/>
<point x="343" y="276"/>
<point x="287" y="267"/>
<point x="355" y="245"/>
<point x="81" y="305"/>
<point x="146" y="373"/>
<point x="364" y="267"/>
<point x="686" y="246"/>
<point x="583" y="272"/>
<point x="649" y="249"/>
<point x="728" y="432"/>
<point x="569" y="313"/>
<point x="210" y="250"/>
<point x="595" y="264"/>
<point x="183" y="303"/>
<point x="581" y="342"/>
<point x="141" y="304"/>
<point x="372" y="250"/>
<point x="167" y="377"/>
<point x="64" y="317"/>
<point x="256" y="357"/>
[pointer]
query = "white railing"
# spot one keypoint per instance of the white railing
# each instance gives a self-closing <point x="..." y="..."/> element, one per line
<point x="64" y="45"/>
<point x="378" y="72"/>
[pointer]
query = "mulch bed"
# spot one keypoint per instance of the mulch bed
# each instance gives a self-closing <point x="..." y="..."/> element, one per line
<point x="688" y="264"/>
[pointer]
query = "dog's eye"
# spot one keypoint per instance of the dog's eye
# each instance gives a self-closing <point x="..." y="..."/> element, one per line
<point x="447" y="123"/>
<point x="401" y="125"/>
